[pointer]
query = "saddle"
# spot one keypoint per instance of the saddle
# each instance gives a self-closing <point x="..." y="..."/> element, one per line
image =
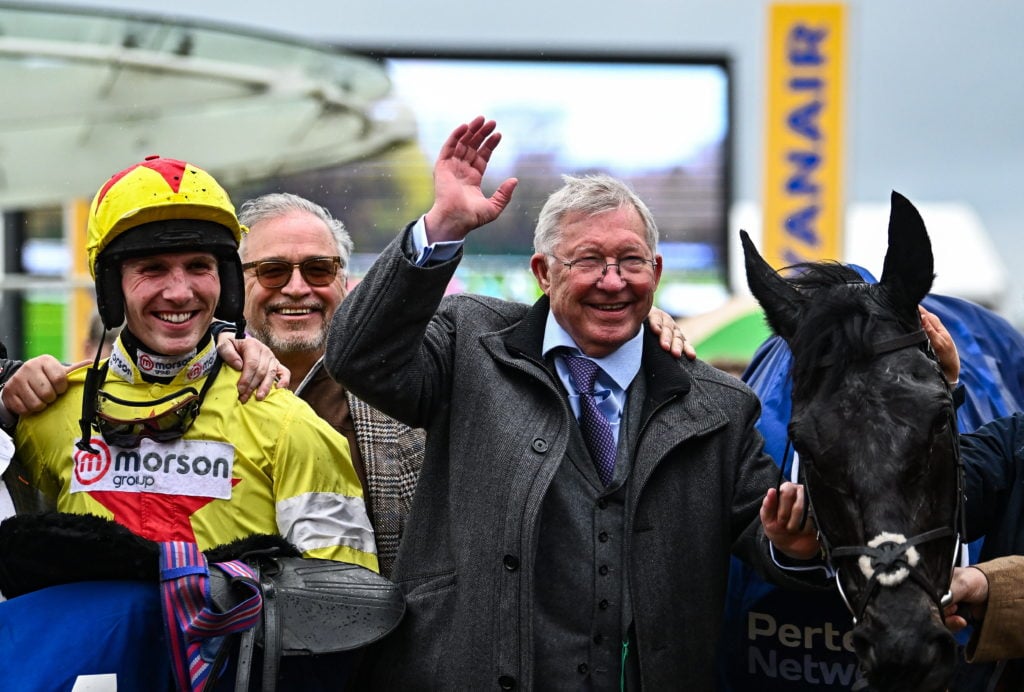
<point x="309" y="606"/>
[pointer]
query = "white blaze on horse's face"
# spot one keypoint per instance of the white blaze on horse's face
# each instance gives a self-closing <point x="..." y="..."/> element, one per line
<point x="896" y="576"/>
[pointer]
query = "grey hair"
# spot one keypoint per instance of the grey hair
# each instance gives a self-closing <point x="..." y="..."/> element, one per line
<point x="589" y="195"/>
<point x="277" y="204"/>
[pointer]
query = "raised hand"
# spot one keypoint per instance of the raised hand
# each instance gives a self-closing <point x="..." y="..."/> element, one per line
<point x="459" y="202"/>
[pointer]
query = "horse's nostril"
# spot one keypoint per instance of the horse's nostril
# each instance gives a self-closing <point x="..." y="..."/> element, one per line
<point x="938" y="662"/>
<point x="892" y="662"/>
<point x="864" y="647"/>
<point x="943" y="649"/>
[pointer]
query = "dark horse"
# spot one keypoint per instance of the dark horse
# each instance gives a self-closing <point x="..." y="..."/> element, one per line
<point x="873" y="423"/>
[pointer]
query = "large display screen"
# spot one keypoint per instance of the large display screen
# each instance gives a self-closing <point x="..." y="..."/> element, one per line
<point x="661" y="123"/>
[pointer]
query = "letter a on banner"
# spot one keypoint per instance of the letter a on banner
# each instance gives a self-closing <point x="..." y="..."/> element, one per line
<point x="803" y="200"/>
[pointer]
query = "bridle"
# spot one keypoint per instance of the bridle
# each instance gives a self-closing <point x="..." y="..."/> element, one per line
<point x="888" y="559"/>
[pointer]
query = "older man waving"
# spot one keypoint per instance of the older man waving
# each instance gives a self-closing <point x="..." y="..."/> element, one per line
<point x="582" y="489"/>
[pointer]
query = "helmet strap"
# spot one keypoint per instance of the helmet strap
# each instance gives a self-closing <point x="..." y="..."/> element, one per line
<point x="93" y="379"/>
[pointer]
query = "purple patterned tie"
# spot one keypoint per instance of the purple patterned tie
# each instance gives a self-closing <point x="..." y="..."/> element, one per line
<point x="597" y="432"/>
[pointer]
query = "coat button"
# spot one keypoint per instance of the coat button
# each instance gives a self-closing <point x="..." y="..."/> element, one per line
<point x="603" y="536"/>
<point x="540" y="445"/>
<point x="511" y="563"/>
<point x="602" y="570"/>
<point x="583" y="668"/>
<point x="507" y="682"/>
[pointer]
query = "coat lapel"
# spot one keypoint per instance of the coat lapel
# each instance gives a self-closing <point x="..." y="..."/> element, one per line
<point x="662" y="427"/>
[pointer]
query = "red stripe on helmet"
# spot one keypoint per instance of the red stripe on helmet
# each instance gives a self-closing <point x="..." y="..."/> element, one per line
<point x="171" y="170"/>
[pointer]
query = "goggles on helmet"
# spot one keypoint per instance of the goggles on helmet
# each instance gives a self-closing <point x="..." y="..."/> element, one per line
<point x="171" y="424"/>
<point x="162" y="427"/>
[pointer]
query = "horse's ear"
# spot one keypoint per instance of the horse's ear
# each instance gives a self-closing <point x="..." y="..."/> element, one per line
<point x="909" y="265"/>
<point x="780" y="301"/>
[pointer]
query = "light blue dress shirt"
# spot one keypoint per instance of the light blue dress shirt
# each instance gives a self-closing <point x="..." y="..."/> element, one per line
<point x="613" y="379"/>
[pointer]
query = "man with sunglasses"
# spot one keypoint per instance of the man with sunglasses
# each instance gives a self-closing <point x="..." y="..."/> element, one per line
<point x="295" y="257"/>
<point x="582" y="489"/>
<point x="155" y="437"/>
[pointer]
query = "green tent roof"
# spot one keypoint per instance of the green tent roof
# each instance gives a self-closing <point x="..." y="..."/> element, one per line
<point x="734" y="340"/>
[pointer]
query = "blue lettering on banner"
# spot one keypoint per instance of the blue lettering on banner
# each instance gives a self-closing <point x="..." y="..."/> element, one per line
<point x="806" y="162"/>
<point x="801" y="224"/>
<point x="804" y="45"/>
<point x="128" y="461"/>
<point x="804" y="50"/>
<point x="804" y="121"/>
<point x="153" y="462"/>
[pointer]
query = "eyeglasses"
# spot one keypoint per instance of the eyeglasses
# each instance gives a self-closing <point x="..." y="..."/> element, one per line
<point x="593" y="268"/>
<point x="170" y="424"/>
<point x="316" y="271"/>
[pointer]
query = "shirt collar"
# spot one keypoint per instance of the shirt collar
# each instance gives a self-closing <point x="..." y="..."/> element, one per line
<point x="185" y="370"/>
<point x="621" y="365"/>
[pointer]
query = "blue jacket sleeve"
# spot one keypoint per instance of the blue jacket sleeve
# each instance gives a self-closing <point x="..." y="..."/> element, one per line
<point x="992" y="465"/>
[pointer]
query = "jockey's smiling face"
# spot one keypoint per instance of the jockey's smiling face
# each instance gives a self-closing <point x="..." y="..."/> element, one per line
<point x="169" y="299"/>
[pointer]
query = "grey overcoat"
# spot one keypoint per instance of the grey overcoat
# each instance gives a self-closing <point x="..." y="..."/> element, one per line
<point x="497" y="429"/>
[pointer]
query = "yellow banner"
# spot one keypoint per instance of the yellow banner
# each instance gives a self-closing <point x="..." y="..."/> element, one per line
<point x="803" y="200"/>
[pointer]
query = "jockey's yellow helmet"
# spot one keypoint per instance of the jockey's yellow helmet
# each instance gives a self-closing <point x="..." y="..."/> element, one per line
<point x="160" y="206"/>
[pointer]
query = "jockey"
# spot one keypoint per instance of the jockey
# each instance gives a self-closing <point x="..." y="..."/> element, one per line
<point x="154" y="437"/>
<point x="162" y="247"/>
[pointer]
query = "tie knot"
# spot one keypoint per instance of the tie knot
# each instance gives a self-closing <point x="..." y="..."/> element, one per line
<point x="583" y="372"/>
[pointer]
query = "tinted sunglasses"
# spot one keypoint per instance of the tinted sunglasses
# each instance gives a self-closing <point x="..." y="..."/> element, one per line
<point x="316" y="271"/>
<point x="128" y="432"/>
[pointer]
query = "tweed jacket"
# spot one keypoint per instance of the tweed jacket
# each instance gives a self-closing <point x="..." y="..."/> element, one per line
<point x="498" y="427"/>
<point x="1001" y="634"/>
<point x="993" y="457"/>
<point x="391" y="454"/>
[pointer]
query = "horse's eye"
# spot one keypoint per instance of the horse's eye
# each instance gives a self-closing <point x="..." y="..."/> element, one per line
<point x="942" y="422"/>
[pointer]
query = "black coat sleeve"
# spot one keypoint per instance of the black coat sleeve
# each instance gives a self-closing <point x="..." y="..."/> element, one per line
<point x="992" y="466"/>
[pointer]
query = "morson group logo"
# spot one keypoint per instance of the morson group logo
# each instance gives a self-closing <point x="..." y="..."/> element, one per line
<point x="197" y="468"/>
<point x="90" y="467"/>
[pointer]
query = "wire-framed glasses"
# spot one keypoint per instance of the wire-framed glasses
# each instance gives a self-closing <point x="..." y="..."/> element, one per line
<point x="593" y="268"/>
<point x="316" y="271"/>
